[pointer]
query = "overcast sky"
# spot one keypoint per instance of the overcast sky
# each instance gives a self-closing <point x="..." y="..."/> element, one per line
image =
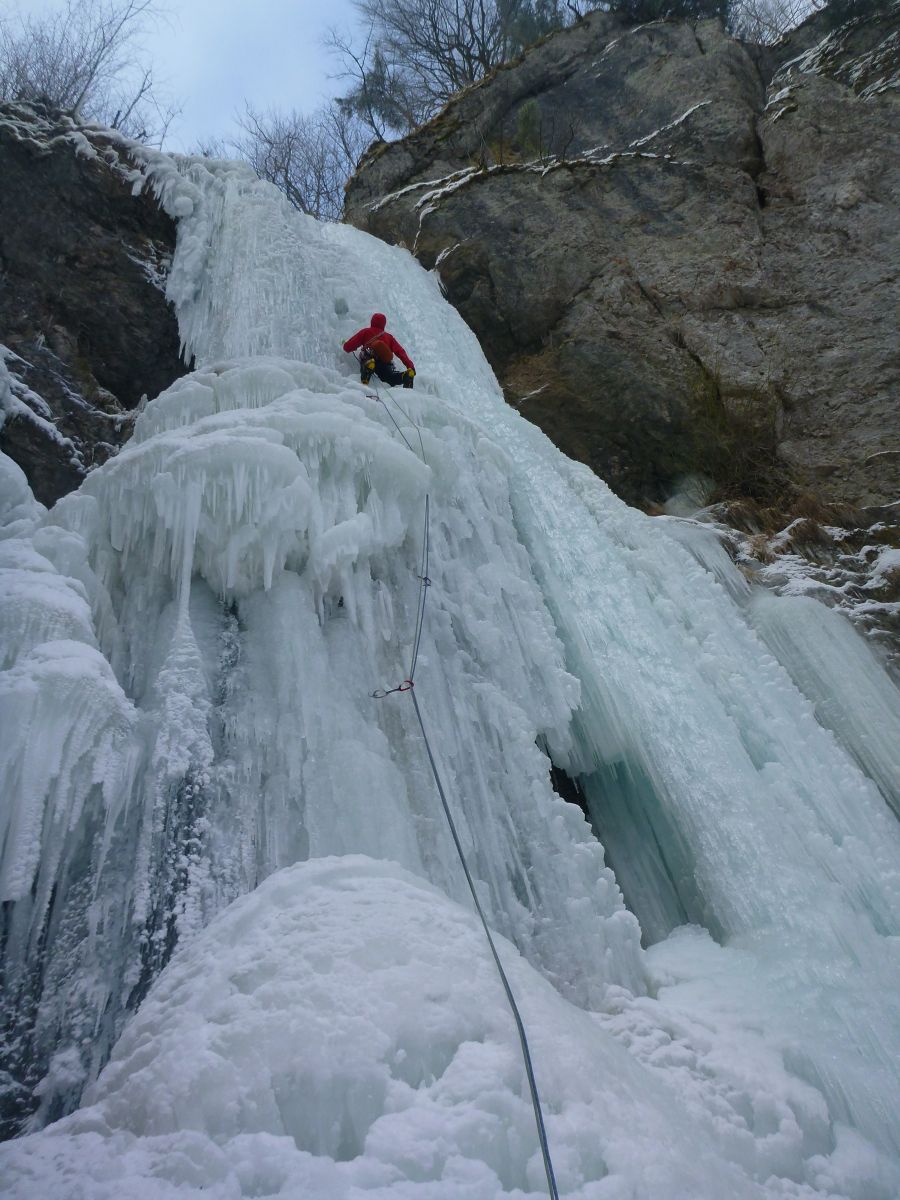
<point x="214" y="53"/>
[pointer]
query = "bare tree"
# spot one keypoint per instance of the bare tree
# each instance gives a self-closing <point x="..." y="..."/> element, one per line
<point x="767" y="20"/>
<point x="764" y="21"/>
<point x="416" y="54"/>
<point x="641" y="11"/>
<point x="85" y="58"/>
<point x="309" y="157"/>
<point x="381" y="95"/>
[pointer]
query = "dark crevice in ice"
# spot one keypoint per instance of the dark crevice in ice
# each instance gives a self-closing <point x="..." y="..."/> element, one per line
<point x="646" y="852"/>
<point x="568" y="788"/>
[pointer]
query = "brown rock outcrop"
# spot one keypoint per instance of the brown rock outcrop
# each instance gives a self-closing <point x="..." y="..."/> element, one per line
<point x="679" y="252"/>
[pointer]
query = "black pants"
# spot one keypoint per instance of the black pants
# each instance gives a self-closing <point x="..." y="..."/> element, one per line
<point x="386" y="372"/>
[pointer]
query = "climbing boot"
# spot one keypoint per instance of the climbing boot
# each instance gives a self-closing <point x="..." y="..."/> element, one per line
<point x="366" y="370"/>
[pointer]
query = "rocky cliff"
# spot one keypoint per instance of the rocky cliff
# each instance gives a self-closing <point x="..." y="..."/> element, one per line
<point x="85" y="330"/>
<point x="678" y="251"/>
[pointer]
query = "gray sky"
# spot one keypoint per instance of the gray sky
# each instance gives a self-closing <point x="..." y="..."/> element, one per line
<point x="214" y="53"/>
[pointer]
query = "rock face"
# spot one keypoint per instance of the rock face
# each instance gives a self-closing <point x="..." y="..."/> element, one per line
<point x="678" y="251"/>
<point x="845" y="558"/>
<point x="84" y="324"/>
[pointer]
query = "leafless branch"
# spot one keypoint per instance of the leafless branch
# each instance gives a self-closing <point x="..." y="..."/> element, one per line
<point x="85" y="59"/>
<point x="416" y="54"/>
<point x="308" y="157"/>
<point x="764" y="21"/>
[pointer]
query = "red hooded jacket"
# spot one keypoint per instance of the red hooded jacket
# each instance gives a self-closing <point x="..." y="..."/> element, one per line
<point x="375" y="333"/>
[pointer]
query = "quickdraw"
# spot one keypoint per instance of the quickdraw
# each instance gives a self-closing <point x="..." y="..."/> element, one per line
<point x="406" y="686"/>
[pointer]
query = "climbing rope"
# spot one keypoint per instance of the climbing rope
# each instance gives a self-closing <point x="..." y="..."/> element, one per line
<point x="408" y="685"/>
<point x="424" y="585"/>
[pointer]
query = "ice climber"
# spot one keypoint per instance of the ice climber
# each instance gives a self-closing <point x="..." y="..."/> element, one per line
<point x="376" y="354"/>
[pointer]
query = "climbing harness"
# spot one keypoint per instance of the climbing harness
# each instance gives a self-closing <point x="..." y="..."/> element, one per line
<point x="408" y="685"/>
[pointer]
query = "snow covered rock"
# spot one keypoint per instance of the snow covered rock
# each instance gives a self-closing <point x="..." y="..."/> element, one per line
<point x="85" y="330"/>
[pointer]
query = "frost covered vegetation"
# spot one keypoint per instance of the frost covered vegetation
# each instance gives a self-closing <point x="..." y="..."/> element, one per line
<point x="85" y="57"/>
<point x="193" y="762"/>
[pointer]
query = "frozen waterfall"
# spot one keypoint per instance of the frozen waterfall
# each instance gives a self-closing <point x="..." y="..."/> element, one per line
<point x="192" y="757"/>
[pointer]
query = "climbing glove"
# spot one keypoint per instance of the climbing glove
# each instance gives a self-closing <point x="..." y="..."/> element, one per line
<point x="408" y="378"/>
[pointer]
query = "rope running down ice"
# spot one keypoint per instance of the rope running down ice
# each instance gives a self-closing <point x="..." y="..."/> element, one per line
<point x="408" y="685"/>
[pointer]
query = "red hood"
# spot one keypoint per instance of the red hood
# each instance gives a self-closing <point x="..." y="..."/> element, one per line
<point x="379" y="320"/>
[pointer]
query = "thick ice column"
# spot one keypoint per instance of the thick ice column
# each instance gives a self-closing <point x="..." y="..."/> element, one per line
<point x="249" y="564"/>
<point x="762" y="827"/>
<point x="832" y="665"/>
<point x="67" y="759"/>
<point x="303" y="509"/>
<point x="19" y="511"/>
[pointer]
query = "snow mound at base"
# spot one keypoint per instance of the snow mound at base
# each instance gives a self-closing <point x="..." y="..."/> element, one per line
<point x="342" y="1032"/>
